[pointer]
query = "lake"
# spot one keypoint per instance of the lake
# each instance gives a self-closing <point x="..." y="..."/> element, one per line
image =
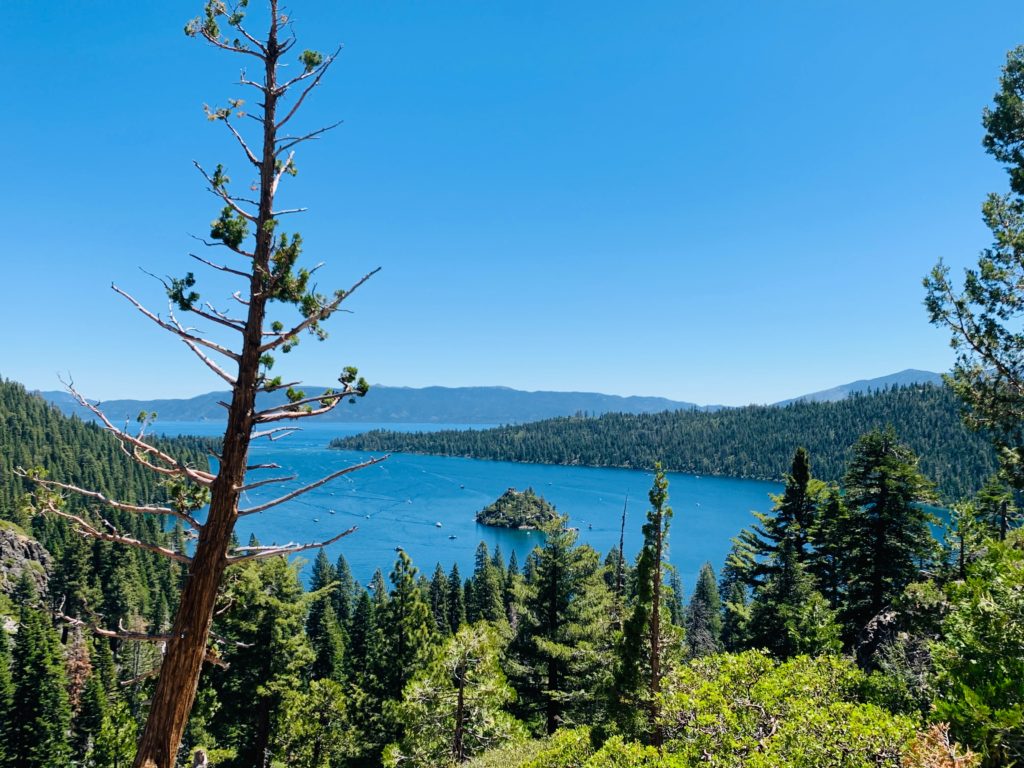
<point x="399" y="503"/>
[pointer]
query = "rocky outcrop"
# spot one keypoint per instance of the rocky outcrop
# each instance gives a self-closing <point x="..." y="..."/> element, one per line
<point x="19" y="554"/>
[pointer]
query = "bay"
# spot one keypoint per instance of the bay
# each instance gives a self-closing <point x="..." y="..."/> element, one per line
<point x="399" y="503"/>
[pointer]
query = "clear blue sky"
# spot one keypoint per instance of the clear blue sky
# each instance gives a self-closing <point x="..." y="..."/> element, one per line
<point x="717" y="202"/>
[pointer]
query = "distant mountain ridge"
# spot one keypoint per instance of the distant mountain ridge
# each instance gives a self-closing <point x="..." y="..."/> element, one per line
<point x="460" y="405"/>
<point x="901" y="379"/>
<point x="427" y="405"/>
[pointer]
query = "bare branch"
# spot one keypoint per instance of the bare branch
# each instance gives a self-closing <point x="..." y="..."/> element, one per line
<point x="139" y="678"/>
<point x="287" y="410"/>
<point x="237" y="296"/>
<point x="217" y="43"/>
<point x="250" y="486"/>
<point x="211" y="364"/>
<point x="217" y="317"/>
<point x="287" y="211"/>
<point x="276" y="387"/>
<point x="259" y="44"/>
<point x="274" y="434"/>
<point x="218" y="244"/>
<point x="280" y="173"/>
<point x="287" y="142"/>
<point x="323" y="313"/>
<point x="174" y="467"/>
<point x="271" y="465"/>
<point x="241" y="141"/>
<point x="221" y="267"/>
<point x="317" y="74"/>
<point x="311" y="486"/>
<point x="118" y="505"/>
<point x="85" y="528"/>
<point x="222" y="193"/>
<point x="223" y="315"/>
<point x="287" y="549"/>
<point x="177" y="331"/>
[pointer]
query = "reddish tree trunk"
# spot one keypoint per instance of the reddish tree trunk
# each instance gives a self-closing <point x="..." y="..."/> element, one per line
<point x="183" y="657"/>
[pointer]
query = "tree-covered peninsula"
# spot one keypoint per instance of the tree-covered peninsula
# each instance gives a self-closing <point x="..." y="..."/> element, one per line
<point x="518" y="509"/>
<point x="753" y="442"/>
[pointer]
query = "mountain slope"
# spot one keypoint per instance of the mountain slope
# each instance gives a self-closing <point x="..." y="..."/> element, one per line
<point x="905" y="378"/>
<point x="754" y="442"/>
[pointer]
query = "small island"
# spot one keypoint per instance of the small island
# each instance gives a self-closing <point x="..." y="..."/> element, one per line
<point x="524" y="510"/>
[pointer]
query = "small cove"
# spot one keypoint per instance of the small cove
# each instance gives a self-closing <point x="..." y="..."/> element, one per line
<point x="399" y="503"/>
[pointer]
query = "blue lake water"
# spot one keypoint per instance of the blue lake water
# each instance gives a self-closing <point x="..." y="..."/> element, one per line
<point x="399" y="502"/>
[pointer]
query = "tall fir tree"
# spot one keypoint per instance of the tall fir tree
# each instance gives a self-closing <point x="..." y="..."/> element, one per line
<point x="439" y="609"/>
<point x="269" y="656"/>
<point x="346" y="594"/>
<point x="403" y="629"/>
<point x="38" y="724"/>
<point x="644" y="638"/>
<point x="888" y="542"/>
<point x="486" y="603"/>
<point x="6" y="696"/>
<point x="704" y="616"/>
<point x="456" y="600"/>
<point x="562" y="648"/>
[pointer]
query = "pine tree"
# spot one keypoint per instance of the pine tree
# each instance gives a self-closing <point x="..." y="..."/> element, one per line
<point x="828" y="538"/>
<point x="115" y="743"/>
<point x="996" y="507"/>
<point x="674" y="598"/>
<point x="790" y="523"/>
<point x="315" y="730"/>
<point x="439" y="609"/>
<point x="487" y="602"/>
<point x="345" y="595"/>
<point x="88" y="721"/>
<point x="887" y="537"/>
<point x="324" y="574"/>
<point x="561" y="647"/>
<point x="983" y="318"/>
<point x="326" y="637"/>
<point x="704" y="616"/>
<point x="248" y="226"/>
<point x="37" y="728"/>
<point x="456" y="600"/>
<point x="403" y="630"/>
<point x="6" y="697"/>
<point x="788" y="616"/>
<point x="735" y="595"/>
<point x="269" y="655"/>
<point x="453" y="709"/>
<point x="360" y="639"/>
<point x="639" y="672"/>
<point x="322" y="625"/>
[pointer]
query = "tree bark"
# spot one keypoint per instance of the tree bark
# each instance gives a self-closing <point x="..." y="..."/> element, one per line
<point x="183" y="659"/>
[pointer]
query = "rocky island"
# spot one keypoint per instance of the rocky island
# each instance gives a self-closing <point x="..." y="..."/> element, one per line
<point x="524" y="510"/>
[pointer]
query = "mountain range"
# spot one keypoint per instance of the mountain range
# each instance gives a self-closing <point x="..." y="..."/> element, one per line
<point x="457" y="405"/>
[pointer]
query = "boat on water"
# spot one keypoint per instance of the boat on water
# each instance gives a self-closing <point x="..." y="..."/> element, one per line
<point x="437" y="524"/>
<point x="453" y="536"/>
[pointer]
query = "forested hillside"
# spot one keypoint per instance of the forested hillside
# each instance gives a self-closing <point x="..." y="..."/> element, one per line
<point x="754" y="442"/>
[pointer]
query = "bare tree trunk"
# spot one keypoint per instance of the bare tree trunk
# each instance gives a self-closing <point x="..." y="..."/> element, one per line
<point x="458" y="745"/>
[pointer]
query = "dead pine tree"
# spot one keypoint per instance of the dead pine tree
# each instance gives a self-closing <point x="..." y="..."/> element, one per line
<point x="263" y="258"/>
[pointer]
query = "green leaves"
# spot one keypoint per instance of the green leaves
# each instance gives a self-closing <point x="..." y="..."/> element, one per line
<point x="179" y="292"/>
<point x="230" y="228"/>
<point x="311" y="60"/>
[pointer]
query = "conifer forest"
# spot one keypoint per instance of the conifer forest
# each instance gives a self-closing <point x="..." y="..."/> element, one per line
<point x="873" y="616"/>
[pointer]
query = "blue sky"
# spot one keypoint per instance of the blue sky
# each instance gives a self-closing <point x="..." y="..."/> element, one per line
<point x="716" y="202"/>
